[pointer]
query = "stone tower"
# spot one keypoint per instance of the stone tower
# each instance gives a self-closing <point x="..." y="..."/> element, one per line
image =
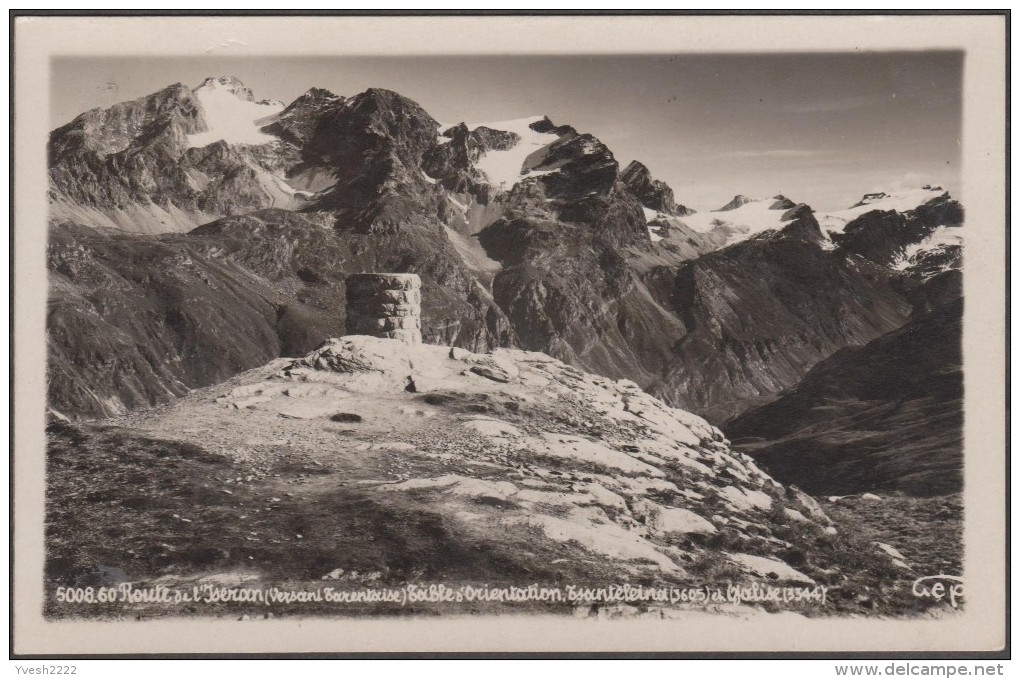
<point x="385" y="305"/>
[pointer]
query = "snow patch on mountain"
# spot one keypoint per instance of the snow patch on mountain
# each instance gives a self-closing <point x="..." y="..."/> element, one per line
<point x="742" y="218"/>
<point x="653" y="229"/>
<point x="901" y="201"/>
<point x="506" y="168"/>
<point x="942" y="237"/>
<point x="290" y="190"/>
<point x="230" y="118"/>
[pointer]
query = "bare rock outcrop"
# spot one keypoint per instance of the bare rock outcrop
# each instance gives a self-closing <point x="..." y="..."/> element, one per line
<point x="326" y="466"/>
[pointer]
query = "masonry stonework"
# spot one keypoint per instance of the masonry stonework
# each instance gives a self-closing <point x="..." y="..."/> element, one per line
<point x="385" y="305"/>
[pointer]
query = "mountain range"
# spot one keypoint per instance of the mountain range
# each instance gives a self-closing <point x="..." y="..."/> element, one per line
<point x="199" y="233"/>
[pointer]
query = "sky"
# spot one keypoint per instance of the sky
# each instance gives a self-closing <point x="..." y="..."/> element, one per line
<point x="820" y="128"/>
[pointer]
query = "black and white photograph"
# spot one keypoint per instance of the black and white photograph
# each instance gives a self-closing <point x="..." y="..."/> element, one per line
<point x="662" y="337"/>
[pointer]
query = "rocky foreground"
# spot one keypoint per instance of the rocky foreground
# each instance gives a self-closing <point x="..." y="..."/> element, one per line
<point x="371" y="463"/>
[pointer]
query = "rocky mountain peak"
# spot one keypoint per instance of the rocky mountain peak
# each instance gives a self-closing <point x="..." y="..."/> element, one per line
<point x="228" y="83"/>
<point x="318" y="93"/>
<point x="781" y="202"/>
<point x="900" y="200"/>
<point x="802" y="223"/>
<point x="298" y="122"/>
<point x="635" y="170"/>
<point x="942" y="209"/>
<point x="870" y="198"/>
<point x="544" y="124"/>
<point x="316" y="99"/>
<point x="739" y="200"/>
<point x="653" y="193"/>
<point x="393" y="119"/>
<point x="898" y="225"/>
<point x="383" y="100"/>
<point x="107" y="131"/>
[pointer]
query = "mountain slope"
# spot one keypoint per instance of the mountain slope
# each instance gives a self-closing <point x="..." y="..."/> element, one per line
<point x="756" y="316"/>
<point x="136" y="320"/>
<point x="133" y="321"/>
<point x="497" y="469"/>
<point x="885" y="416"/>
<point x="136" y="166"/>
<point x="894" y="238"/>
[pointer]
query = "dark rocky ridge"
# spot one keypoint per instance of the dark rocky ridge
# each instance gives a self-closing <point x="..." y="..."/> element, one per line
<point x="299" y="121"/>
<point x="756" y="316"/>
<point x="136" y="320"/>
<point x="130" y="166"/>
<point x="883" y="235"/>
<point x="885" y="416"/>
<point x="782" y="203"/>
<point x="454" y="161"/>
<point x="738" y="201"/>
<point x="653" y="193"/>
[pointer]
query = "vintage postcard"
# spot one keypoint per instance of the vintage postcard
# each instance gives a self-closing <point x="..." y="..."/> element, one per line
<point x="509" y="333"/>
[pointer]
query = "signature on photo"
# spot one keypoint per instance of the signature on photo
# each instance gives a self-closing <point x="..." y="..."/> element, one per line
<point x="938" y="587"/>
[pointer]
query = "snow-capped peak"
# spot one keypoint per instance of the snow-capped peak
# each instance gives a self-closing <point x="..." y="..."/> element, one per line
<point x="520" y="126"/>
<point x="900" y="201"/>
<point x="739" y="200"/>
<point x="228" y="83"/>
<point x="231" y="114"/>
<point x="743" y="217"/>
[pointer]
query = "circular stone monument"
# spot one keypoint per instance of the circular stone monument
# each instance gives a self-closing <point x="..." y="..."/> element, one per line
<point x="385" y="305"/>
